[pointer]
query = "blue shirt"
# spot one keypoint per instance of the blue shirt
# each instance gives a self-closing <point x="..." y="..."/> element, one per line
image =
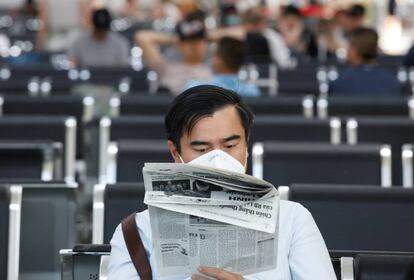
<point x="302" y="253"/>
<point x="230" y="82"/>
<point x="368" y="80"/>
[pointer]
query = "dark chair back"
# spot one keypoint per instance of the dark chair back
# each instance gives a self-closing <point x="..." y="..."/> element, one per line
<point x="285" y="163"/>
<point x="56" y="129"/>
<point x="131" y="155"/>
<point x="31" y="160"/>
<point x="395" y="131"/>
<point x="384" y="267"/>
<point x="360" y="106"/>
<point x="268" y="128"/>
<point x="364" y="218"/>
<point x="82" y="108"/>
<point x="48" y="222"/>
<point x="120" y="200"/>
<point x="140" y="105"/>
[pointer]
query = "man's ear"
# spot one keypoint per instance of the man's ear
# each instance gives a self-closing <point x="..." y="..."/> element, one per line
<point x="174" y="152"/>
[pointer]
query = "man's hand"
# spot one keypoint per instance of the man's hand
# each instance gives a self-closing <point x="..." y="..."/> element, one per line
<point x="216" y="273"/>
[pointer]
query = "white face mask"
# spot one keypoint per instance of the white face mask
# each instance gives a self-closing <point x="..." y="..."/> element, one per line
<point x="219" y="159"/>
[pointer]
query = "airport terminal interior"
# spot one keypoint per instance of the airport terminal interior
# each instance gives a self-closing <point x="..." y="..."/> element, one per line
<point x="85" y="86"/>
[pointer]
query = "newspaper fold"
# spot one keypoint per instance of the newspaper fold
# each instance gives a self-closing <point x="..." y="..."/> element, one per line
<point x="213" y="217"/>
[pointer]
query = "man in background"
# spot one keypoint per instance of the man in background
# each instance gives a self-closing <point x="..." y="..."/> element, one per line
<point x="191" y="42"/>
<point x="100" y="47"/>
<point x="226" y="62"/>
<point x="364" y="77"/>
<point x="261" y="42"/>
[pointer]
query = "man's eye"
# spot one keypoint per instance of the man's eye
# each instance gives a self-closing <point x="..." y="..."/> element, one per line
<point x="231" y="146"/>
<point x="201" y="150"/>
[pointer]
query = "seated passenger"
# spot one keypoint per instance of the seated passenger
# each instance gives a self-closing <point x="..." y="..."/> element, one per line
<point x="192" y="44"/>
<point x="364" y="77"/>
<point x="101" y="47"/>
<point x="204" y="120"/>
<point x="227" y="60"/>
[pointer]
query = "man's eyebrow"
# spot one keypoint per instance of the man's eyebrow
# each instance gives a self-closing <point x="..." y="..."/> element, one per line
<point x="199" y="143"/>
<point x="230" y="138"/>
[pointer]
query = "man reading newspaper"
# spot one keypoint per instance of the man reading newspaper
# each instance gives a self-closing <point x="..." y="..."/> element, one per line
<point x="210" y="126"/>
<point x="216" y="217"/>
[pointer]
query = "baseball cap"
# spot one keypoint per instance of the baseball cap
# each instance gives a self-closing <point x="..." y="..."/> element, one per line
<point x="192" y="27"/>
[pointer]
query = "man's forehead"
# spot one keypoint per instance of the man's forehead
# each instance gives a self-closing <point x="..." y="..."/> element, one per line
<point x="222" y="124"/>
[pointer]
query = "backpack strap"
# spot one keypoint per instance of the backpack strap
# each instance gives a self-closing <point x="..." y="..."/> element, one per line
<point x="135" y="247"/>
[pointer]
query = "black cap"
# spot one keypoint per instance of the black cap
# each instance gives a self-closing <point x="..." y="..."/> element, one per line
<point x="101" y="19"/>
<point x="192" y="27"/>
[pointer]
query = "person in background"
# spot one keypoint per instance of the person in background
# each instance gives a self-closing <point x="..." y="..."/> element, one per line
<point x="100" y="47"/>
<point x="297" y="36"/>
<point x="190" y="40"/>
<point x="229" y="15"/>
<point x="261" y="41"/>
<point x="226" y="63"/>
<point x="364" y="77"/>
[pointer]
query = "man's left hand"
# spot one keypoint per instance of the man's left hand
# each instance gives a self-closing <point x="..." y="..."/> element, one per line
<point x="216" y="273"/>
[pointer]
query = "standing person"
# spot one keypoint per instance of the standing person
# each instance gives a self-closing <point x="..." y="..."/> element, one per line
<point x="190" y="40"/>
<point x="364" y="77"/>
<point x="100" y="47"/>
<point x="226" y="63"/>
<point x="209" y="121"/>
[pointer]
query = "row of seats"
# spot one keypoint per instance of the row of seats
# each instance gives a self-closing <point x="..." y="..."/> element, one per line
<point x="350" y="217"/>
<point x="158" y="104"/>
<point x="393" y="131"/>
<point x="83" y="107"/>
<point x="45" y="80"/>
<point x="281" y="105"/>
<point x="59" y="78"/>
<point x="358" y="213"/>
<point x="310" y="162"/>
<point x="91" y="262"/>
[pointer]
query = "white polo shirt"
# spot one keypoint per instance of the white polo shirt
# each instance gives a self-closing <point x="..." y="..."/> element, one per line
<point x="302" y="253"/>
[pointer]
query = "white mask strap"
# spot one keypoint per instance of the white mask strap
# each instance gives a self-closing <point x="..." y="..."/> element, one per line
<point x="182" y="161"/>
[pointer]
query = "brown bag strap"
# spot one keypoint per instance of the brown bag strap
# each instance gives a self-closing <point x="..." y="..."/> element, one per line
<point x="136" y="248"/>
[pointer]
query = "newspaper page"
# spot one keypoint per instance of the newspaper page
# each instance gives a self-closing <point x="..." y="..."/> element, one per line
<point x="206" y="216"/>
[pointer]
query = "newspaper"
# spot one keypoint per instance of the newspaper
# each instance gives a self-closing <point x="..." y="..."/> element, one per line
<point x="207" y="216"/>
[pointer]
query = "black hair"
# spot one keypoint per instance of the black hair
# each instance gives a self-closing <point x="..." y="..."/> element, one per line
<point x="101" y="19"/>
<point x="356" y="11"/>
<point x="231" y="51"/>
<point x="365" y="41"/>
<point x="202" y="101"/>
<point x="291" y="10"/>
